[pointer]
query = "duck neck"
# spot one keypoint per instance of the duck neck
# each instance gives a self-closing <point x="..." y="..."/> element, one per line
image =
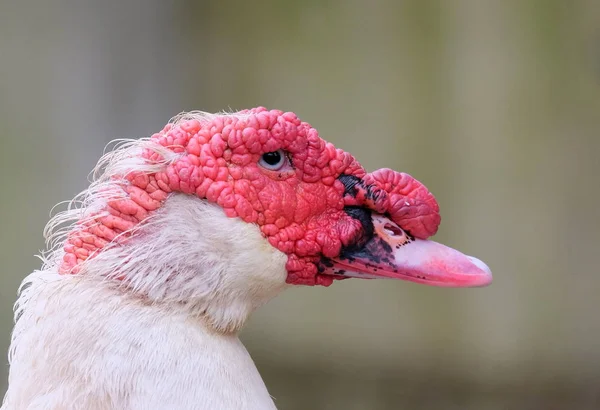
<point x="191" y="257"/>
<point x="122" y="352"/>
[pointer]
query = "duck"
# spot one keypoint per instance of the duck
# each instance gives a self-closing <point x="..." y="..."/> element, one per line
<point x="151" y="272"/>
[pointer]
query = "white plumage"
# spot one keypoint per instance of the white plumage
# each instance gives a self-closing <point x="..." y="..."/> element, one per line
<point x="177" y="348"/>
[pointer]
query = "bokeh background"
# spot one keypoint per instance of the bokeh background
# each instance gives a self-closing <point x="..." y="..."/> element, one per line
<point x="494" y="105"/>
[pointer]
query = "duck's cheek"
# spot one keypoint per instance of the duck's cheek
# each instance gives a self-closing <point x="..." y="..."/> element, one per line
<point x="322" y="236"/>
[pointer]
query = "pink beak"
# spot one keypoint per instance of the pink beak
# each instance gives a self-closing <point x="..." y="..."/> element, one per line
<point x="392" y="253"/>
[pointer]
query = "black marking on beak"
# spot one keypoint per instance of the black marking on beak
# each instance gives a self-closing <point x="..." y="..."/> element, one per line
<point x="363" y="215"/>
<point x="326" y="263"/>
<point x="367" y="245"/>
<point x="353" y="183"/>
<point x="349" y="182"/>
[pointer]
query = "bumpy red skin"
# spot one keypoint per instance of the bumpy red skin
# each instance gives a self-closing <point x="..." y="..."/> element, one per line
<point x="300" y="209"/>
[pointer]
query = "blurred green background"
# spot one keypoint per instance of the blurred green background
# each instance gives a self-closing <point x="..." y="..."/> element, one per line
<point x="494" y="105"/>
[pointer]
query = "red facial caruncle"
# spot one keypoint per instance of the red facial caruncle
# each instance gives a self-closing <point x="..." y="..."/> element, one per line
<point x="270" y="169"/>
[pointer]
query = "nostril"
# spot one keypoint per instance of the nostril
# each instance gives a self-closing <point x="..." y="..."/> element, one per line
<point x="392" y="229"/>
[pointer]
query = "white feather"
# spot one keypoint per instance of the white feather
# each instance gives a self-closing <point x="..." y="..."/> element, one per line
<point x="164" y="338"/>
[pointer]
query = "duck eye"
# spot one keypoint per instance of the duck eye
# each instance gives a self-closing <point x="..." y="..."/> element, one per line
<point x="272" y="160"/>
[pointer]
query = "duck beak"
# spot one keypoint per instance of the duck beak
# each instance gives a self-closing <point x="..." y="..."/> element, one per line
<point x="392" y="253"/>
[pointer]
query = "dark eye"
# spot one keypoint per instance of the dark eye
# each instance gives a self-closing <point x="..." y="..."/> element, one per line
<point x="272" y="160"/>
